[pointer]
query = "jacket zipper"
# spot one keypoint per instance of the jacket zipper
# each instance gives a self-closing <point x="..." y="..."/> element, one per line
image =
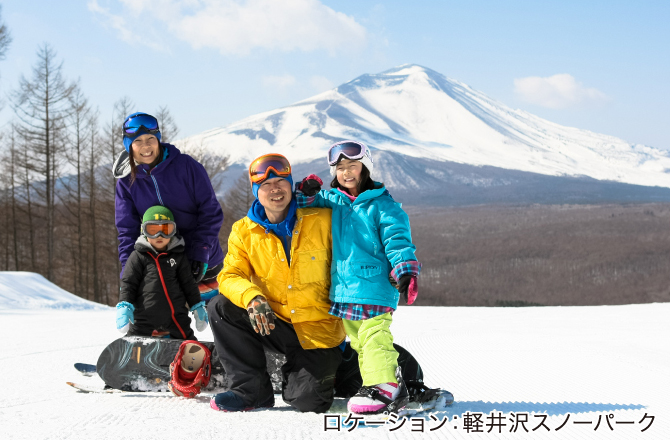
<point x="160" y="274"/>
<point x="158" y="193"/>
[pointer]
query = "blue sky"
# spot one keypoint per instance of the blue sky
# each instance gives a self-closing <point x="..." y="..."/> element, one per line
<point x="598" y="65"/>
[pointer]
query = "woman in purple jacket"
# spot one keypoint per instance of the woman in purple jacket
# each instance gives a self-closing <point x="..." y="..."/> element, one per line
<point x="152" y="173"/>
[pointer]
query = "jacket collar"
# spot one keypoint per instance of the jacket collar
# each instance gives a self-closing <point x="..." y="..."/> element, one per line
<point x="177" y="244"/>
<point x="257" y="214"/>
<point x="362" y="197"/>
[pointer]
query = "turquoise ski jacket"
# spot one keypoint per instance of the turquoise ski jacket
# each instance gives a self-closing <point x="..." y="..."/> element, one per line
<point x="371" y="237"/>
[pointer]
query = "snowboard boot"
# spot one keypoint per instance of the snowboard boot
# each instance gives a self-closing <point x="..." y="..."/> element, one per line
<point x="230" y="402"/>
<point x="191" y="369"/>
<point x="383" y="398"/>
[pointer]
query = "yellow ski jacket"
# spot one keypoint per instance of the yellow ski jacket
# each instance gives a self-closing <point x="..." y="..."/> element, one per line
<point x="256" y="265"/>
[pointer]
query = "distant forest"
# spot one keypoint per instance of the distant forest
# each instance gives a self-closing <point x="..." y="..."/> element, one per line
<point x="543" y="255"/>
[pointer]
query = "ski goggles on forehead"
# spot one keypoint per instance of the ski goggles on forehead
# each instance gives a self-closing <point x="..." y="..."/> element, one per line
<point x="142" y="122"/>
<point x="260" y="168"/>
<point x="159" y="228"/>
<point x="350" y="150"/>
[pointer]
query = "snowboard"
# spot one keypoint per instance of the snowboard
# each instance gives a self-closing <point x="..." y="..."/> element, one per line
<point x="139" y="364"/>
<point x="85" y="369"/>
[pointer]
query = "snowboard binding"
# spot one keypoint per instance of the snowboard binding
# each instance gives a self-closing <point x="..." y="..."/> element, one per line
<point x="191" y="369"/>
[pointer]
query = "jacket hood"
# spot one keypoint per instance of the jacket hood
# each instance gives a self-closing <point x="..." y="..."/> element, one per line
<point x="121" y="167"/>
<point x="177" y="244"/>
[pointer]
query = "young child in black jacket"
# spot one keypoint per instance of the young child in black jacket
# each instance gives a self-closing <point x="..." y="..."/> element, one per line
<point x="157" y="287"/>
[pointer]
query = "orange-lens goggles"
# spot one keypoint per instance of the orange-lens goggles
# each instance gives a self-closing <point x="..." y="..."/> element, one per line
<point x="154" y="230"/>
<point x="261" y="167"/>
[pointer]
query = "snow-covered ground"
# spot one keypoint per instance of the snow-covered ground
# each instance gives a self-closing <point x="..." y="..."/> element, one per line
<point x="566" y="368"/>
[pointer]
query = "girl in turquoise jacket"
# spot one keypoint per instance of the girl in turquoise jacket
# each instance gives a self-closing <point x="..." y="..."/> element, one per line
<point x="372" y="252"/>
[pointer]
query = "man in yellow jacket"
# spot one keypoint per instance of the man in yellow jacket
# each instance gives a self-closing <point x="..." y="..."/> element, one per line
<point x="274" y="293"/>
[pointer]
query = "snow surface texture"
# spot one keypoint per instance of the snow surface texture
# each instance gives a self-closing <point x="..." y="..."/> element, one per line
<point x="418" y="112"/>
<point x="569" y="363"/>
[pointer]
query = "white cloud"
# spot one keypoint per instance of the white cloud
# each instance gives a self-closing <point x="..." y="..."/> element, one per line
<point x="240" y="26"/>
<point x="320" y="83"/>
<point x="557" y="91"/>
<point x="119" y="23"/>
<point x="282" y="82"/>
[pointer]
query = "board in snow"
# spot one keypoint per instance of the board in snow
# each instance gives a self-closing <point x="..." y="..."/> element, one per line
<point x="138" y="364"/>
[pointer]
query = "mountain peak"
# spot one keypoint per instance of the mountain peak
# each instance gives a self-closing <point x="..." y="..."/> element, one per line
<point x="415" y="111"/>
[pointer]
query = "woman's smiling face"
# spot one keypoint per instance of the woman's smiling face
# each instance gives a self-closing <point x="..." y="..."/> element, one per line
<point x="145" y="149"/>
<point x="349" y="175"/>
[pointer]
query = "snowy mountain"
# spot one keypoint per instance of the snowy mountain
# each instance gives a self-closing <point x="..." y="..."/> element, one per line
<point x="581" y="372"/>
<point x="411" y="112"/>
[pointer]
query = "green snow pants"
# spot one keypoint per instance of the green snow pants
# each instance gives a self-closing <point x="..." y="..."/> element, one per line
<point x="373" y="341"/>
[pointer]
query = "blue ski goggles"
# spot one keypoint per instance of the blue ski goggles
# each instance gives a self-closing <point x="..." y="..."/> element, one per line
<point x="140" y="123"/>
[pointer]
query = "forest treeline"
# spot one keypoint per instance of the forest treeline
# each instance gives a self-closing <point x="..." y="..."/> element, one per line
<point x="543" y="255"/>
<point x="56" y="183"/>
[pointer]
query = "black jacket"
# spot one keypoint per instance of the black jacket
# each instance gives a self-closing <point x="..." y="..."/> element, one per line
<point x="160" y="286"/>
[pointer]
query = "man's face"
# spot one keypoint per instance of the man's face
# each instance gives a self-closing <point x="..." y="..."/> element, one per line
<point x="275" y="195"/>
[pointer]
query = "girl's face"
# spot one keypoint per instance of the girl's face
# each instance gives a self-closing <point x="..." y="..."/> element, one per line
<point x="349" y="175"/>
<point x="145" y="149"/>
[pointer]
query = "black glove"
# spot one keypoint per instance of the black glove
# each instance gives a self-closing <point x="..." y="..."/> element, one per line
<point x="408" y="288"/>
<point x="310" y="185"/>
<point x="198" y="268"/>
<point x="261" y="315"/>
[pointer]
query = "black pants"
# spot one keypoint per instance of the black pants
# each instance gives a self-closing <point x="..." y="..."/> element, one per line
<point x="144" y="327"/>
<point x="308" y="376"/>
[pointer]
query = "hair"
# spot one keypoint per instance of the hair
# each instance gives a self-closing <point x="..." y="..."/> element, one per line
<point x="133" y="165"/>
<point x="365" y="184"/>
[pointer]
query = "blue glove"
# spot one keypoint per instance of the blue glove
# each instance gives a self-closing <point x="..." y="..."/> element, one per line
<point x="198" y="268"/>
<point x="200" y="316"/>
<point x="124" y="316"/>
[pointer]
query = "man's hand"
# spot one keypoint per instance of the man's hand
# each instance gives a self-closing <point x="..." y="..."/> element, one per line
<point x="261" y="315"/>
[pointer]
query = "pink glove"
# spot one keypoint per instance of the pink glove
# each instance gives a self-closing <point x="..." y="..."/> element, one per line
<point x="409" y="288"/>
<point x="310" y="185"/>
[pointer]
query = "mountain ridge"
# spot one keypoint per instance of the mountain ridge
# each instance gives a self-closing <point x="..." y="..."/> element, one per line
<point x="418" y="112"/>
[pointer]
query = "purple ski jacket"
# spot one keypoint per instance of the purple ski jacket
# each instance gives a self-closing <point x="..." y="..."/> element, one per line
<point x="181" y="184"/>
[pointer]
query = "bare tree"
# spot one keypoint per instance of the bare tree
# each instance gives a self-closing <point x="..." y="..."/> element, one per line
<point x="80" y="125"/>
<point x="42" y="105"/>
<point x="94" y="154"/>
<point x="5" y="39"/>
<point x="13" y="165"/>
<point x="167" y="125"/>
<point x="214" y="164"/>
<point x="239" y="198"/>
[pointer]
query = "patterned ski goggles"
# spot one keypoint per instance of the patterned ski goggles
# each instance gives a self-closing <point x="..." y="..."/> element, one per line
<point x="141" y="122"/>
<point x="159" y="228"/>
<point x="349" y="149"/>
<point x="261" y="167"/>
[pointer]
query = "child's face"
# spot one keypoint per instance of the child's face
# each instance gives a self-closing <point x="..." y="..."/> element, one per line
<point x="159" y="243"/>
<point x="349" y="175"/>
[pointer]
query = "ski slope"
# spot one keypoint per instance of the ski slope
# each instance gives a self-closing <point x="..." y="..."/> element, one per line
<point x="559" y="365"/>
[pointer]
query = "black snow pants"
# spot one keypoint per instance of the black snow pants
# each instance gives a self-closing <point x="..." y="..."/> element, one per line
<point x="308" y="376"/>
